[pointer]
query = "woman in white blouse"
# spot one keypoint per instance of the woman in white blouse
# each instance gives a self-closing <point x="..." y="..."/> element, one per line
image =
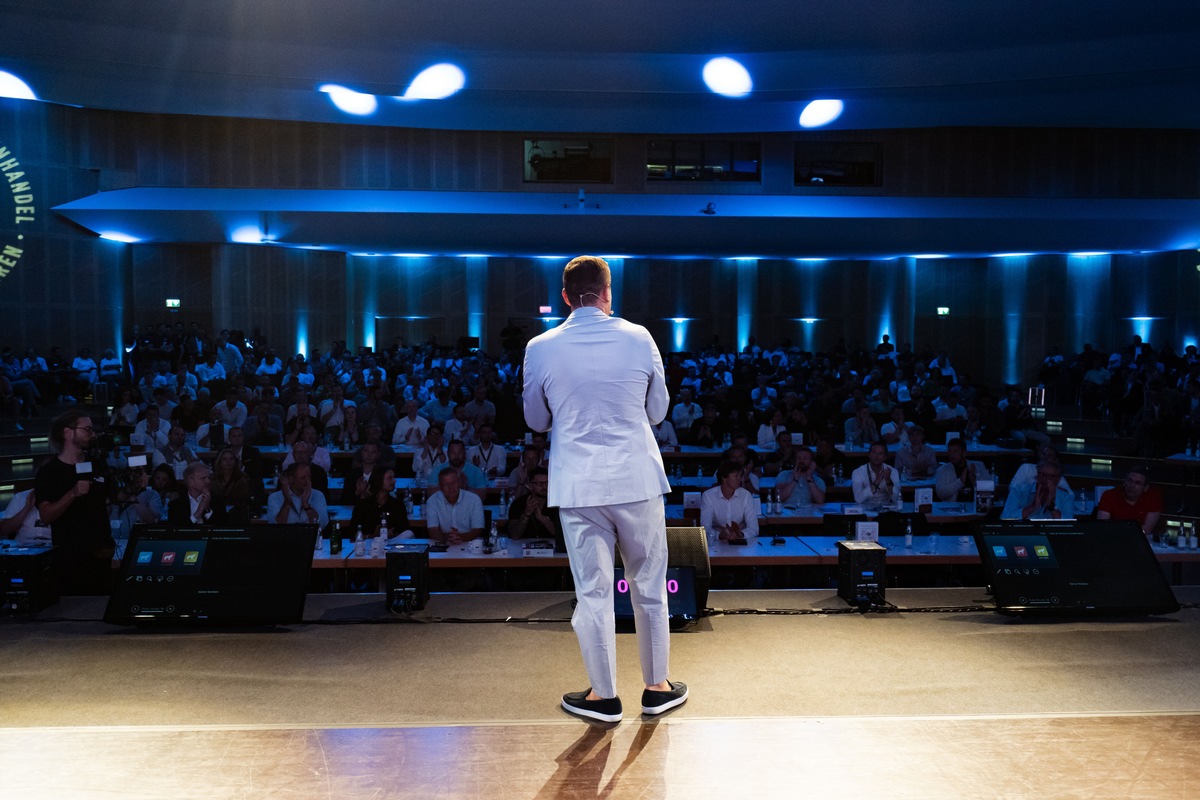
<point x="771" y="427"/>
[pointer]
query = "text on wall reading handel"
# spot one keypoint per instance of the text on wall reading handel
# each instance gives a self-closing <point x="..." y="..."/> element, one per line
<point x="23" y="208"/>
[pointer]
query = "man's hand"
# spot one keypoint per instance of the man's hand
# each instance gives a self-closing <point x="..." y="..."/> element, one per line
<point x="81" y="488"/>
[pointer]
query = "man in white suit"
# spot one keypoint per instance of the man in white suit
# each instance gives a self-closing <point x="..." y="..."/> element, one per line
<point x="599" y="380"/>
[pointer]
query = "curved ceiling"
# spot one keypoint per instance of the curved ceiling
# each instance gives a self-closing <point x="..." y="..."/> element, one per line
<point x="620" y="65"/>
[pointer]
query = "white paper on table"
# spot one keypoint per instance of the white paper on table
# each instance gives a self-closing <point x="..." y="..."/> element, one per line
<point x="866" y="531"/>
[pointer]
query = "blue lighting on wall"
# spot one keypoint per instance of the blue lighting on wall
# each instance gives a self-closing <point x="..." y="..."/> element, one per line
<point x="1086" y="277"/>
<point x="14" y="87"/>
<point x="726" y="76"/>
<point x="821" y="112"/>
<point x="679" y="326"/>
<point x="114" y="236"/>
<point x="747" y="288"/>
<point x="1012" y="272"/>
<point x="350" y="101"/>
<point x="246" y="234"/>
<point x="477" y="299"/>
<point x="436" y="83"/>
<point x="302" y="333"/>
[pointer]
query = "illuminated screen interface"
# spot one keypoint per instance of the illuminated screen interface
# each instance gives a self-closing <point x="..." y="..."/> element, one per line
<point x="258" y="574"/>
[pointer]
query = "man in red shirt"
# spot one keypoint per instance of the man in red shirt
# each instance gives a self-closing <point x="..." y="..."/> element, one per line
<point x="1136" y="500"/>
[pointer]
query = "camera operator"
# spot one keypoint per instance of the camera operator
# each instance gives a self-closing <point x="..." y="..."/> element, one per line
<point x="73" y="503"/>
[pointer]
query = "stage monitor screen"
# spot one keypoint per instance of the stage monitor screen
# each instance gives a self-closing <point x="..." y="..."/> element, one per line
<point x="251" y="575"/>
<point x="1072" y="567"/>
<point x="681" y="594"/>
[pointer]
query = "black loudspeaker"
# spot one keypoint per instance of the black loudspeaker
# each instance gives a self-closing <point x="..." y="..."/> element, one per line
<point x="28" y="580"/>
<point x="407" y="578"/>
<point x="861" y="572"/>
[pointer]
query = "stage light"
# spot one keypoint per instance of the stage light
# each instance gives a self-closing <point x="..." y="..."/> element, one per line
<point x="727" y="77"/>
<point x="927" y="256"/>
<point x="14" y="87"/>
<point x="350" y="101"/>
<point x="1090" y="253"/>
<point x="545" y="309"/>
<point x="114" y="236"/>
<point x="435" y="83"/>
<point x="820" y="112"/>
<point x="247" y="234"/>
<point x="1012" y="255"/>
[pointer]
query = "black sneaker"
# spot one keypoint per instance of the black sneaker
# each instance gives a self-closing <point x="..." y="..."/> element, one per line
<point x="604" y="710"/>
<point x="656" y="702"/>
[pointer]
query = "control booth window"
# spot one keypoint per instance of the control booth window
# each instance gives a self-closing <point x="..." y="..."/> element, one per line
<point x="837" y="164"/>
<point x="568" y="160"/>
<point x="703" y="160"/>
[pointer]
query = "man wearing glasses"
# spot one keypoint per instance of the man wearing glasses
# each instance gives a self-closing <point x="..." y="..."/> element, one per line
<point x="1042" y="499"/>
<point x="531" y="517"/>
<point x="76" y="508"/>
<point x="1136" y="500"/>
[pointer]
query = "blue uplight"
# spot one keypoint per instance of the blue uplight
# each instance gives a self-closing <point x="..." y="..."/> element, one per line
<point x="1091" y="253"/>
<point x="350" y="101"/>
<point x="12" y="86"/>
<point x="727" y="77"/>
<point x="926" y="256"/>
<point x="247" y="234"/>
<point x="820" y="112"/>
<point x="114" y="236"/>
<point x="435" y="83"/>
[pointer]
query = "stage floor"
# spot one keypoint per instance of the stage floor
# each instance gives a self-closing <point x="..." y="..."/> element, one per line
<point x="925" y="704"/>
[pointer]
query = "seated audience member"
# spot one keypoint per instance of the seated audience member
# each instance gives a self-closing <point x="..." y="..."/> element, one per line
<point x="270" y="366"/>
<point x="728" y="511"/>
<point x="875" y="481"/>
<point x="332" y="411"/>
<point x="374" y="435"/>
<point x="916" y="460"/>
<point x="188" y="414"/>
<point x="210" y="373"/>
<point x="125" y="412"/>
<point x="530" y="516"/>
<point x="87" y="371"/>
<point x="664" y="434"/>
<point x="379" y="504"/>
<point x="958" y="476"/>
<point x="770" y="428"/>
<point x="441" y="408"/>
<point x="1041" y="499"/>
<point x="349" y="434"/>
<point x="461" y="427"/>
<point x="686" y="412"/>
<point x="432" y="459"/>
<point x="743" y="456"/>
<point x="828" y="458"/>
<point x="233" y="411"/>
<point x="321" y="456"/>
<point x="297" y="501"/>
<point x="487" y="456"/>
<point x="454" y="516"/>
<point x="213" y="434"/>
<point x="232" y="490"/>
<point x="710" y="429"/>
<point x="949" y="412"/>
<point x="22" y="522"/>
<point x="126" y="507"/>
<point x="175" y="453"/>
<point x="802" y="486"/>
<point x="896" y="430"/>
<point x="161" y="490"/>
<point x="184" y="384"/>
<point x="412" y="428"/>
<point x="358" y="481"/>
<point x="860" y="429"/>
<point x="302" y="453"/>
<point x="195" y="505"/>
<point x="782" y="457"/>
<point x="518" y="479"/>
<point x="250" y="461"/>
<point x="480" y="409"/>
<point x="472" y="476"/>
<point x="151" y="432"/>
<point x="375" y="410"/>
<point x="762" y="396"/>
<point x="1136" y="500"/>
<point x="263" y="428"/>
<point x="1027" y="473"/>
<point x="303" y="415"/>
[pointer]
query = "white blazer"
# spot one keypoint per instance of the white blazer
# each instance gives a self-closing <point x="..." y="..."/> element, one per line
<point x="599" y="381"/>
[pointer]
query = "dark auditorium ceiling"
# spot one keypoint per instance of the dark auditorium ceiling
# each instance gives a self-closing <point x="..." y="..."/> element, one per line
<point x="634" y="66"/>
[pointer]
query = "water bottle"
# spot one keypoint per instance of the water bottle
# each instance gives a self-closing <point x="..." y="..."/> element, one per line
<point x="1080" y="503"/>
<point x="1192" y="540"/>
<point x="360" y="544"/>
<point x="490" y="542"/>
<point x="904" y="473"/>
<point x="699" y="472"/>
<point x="503" y="504"/>
<point x="933" y="541"/>
<point x="908" y="534"/>
<point x="335" y="539"/>
<point x="765" y="503"/>
<point x="776" y="505"/>
<point x="379" y="546"/>
<point x="408" y="502"/>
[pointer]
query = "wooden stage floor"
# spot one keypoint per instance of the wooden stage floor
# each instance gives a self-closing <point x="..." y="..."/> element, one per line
<point x="908" y="705"/>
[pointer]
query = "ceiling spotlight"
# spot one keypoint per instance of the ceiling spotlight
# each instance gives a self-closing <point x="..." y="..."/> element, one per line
<point x="727" y="77"/>
<point x="12" y="86"/>
<point x="350" y="101"/>
<point x="709" y="209"/>
<point x="820" y="112"/>
<point x="435" y="83"/>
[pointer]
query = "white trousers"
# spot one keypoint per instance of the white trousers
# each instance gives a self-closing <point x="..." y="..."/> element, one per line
<point x="641" y="530"/>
